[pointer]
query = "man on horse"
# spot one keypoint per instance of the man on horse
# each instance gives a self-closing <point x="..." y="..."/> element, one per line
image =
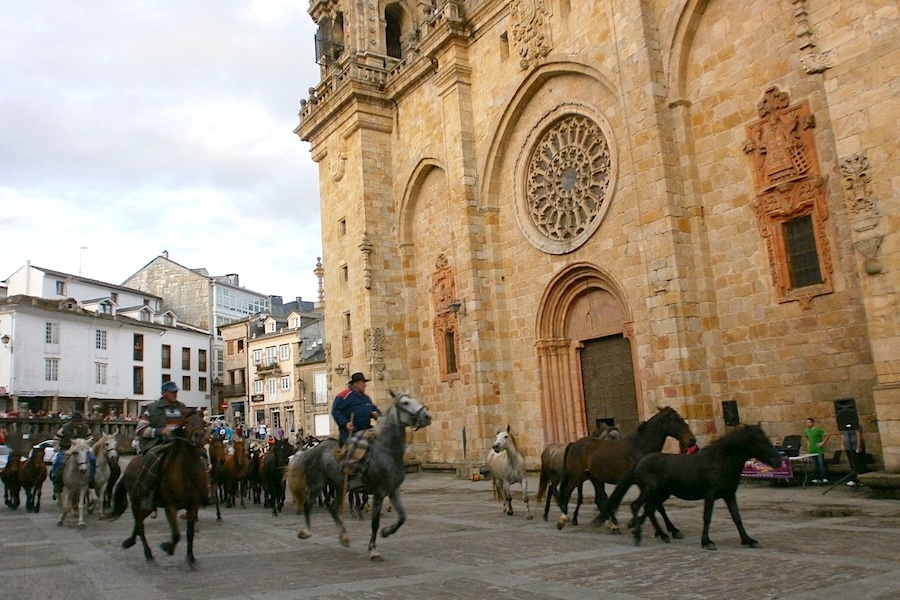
<point x="75" y="428"/>
<point x="154" y="430"/>
<point x="353" y="412"/>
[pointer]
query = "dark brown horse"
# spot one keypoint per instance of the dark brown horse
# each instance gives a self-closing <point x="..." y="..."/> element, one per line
<point x="182" y="485"/>
<point x="231" y="473"/>
<point x="606" y="461"/>
<point x="11" y="483"/>
<point x="32" y="474"/>
<point x="712" y="473"/>
<point x="273" y="467"/>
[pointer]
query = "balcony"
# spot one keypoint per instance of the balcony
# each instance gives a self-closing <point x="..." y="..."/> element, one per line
<point x="234" y="391"/>
<point x="268" y="366"/>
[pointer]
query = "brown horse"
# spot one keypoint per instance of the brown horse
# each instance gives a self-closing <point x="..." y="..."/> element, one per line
<point x="11" y="483"/>
<point x="32" y="474"/>
<point x="182" y="485"/>
<point x="232" y="472"/>
<point x="606" y="461"/>
<point x="216" y="459"/>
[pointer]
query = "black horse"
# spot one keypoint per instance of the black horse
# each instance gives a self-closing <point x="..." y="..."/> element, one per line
<point x="272" y="474"/>
<point x="712" y="473"/>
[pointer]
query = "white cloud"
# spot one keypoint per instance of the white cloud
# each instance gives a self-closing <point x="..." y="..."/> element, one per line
<point x="132" y="127"/>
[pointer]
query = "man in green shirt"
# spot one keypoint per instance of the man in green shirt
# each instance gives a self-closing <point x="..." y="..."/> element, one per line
<point x="815" y="439"/>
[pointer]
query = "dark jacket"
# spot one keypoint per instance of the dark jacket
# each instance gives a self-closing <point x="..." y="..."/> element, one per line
<point x="154" y="418"/>
<point x="351" y="403"/>
<point x="71" y="431"/>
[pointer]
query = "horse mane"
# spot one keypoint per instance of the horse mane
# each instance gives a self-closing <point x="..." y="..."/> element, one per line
<point x="99" y="444"/>
<point x="740" y="435"/>
<point x="515" y="443"/>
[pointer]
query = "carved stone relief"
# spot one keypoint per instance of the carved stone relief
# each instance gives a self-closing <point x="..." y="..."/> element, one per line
<point x="785" y="169"/>
<point x="530" y="30"/>
<point x="347" y="345"/>
<point x="569" y="177"/>
<point x="328" y="363"/>
<point x="375" y="341"/>
<point x="811" y="60"/>
<point x="443" y="294"/>
<point x="365" y="247"/>
<point x="862" y="208"/>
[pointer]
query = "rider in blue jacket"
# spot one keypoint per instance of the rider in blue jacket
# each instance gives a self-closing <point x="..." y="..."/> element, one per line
<point x="353" y="410"/>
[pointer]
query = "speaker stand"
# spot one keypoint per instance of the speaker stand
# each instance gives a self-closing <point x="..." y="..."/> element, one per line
<point x="839" y="482"/>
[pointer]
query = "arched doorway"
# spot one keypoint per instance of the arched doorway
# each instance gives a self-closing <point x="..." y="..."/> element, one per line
<point x="586" y="355"/>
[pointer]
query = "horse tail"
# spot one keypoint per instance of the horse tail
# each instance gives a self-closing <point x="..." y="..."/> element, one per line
<point x="120" y="503"/>
<point x="295" y="477"/>
<point x="542" y="486"/>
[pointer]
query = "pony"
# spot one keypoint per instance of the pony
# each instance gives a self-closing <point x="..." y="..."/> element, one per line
<point x="273" y="474"/>
<point x="711" y="473"/>
<point x="607" y="461"/>
<point x="507" y="466"/>
<point x="380" y="475"/>
<point x="11" y="483"/>
<point x="232" y="472"/>
<point x="105" y="452"/>
<point x="76" y="478"/>
<point x="32" y="475"/>
<point x="553" y="466"/>
<point x="182" y="484"/>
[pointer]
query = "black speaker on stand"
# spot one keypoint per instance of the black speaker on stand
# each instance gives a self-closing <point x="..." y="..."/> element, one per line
<point x="846" y="415"/>
<point x="730" y="413"/>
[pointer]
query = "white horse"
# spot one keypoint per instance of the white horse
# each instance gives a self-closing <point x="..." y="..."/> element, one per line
<point x="105" y="451"/>
<point x="507" y="466"/>
<point x="76" y="477"/>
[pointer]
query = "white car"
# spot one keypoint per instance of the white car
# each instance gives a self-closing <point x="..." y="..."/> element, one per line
<point x="49" y="449"/>
<point x="4" y="455"/>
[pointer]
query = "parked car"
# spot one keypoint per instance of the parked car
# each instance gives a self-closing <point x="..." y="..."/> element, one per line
<point x="48" y="447"/>
<point x="4" y="455"/>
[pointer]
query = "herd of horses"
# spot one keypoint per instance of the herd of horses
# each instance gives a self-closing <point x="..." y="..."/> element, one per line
<point x="315" y="473"/>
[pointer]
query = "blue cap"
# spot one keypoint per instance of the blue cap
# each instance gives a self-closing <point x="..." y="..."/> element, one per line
<point x="169" y="386"/>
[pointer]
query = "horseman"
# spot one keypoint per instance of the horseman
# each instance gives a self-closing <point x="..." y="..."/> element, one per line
<point x="75" y="428"/>
<point x="154" y="433"/>
<point x="353" y="412"/>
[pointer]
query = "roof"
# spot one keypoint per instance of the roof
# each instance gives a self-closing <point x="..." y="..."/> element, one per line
<point x="200" y="272"/>
<point x="113" y="286"/>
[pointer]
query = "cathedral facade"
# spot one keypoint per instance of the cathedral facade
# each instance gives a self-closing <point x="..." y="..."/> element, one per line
<point x="550" y="214"/>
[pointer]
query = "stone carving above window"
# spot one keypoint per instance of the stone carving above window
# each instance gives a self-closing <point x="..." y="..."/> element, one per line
<point x="568" y="183"/>
<point x="446" y="326"/>
<point x="530" y="30"/>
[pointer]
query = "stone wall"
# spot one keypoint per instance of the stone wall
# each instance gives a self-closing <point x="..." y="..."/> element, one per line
<point x="184" y="292"/>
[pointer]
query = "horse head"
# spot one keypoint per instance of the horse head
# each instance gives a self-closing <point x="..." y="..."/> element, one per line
<point x="674" y="426"/>
<point x="502" y="440"/>
<point x="758" y="444"/>
<point x="108" y="444"/>
<point x="192" y="429"/>
<point x="411" y="412"/>
<point x="79" y="450"/>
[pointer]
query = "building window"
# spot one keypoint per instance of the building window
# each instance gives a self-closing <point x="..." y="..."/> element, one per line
<point x="138" y="380"/>
<point x="450" y="345"/>
<point x="51" y="369"/>
<point x="258" y="386"/>
<point x="114" y="297"/>
<point x="138" y="346"/>
<point x="257" y="357"/>
<point x="284" y="352"/>
<point x="100" y="373"/>
<point x="345" y="274"/>
<point x="100" y="339"/>
<point x="802" y="256"/>
<point x="202" y="384"/>
<point x="166" y="356"/>
<point x="229" y="347"/>
<point x="285" y="383"/>
<point x="201" y="359"/>
<point x="185" y="359"/>
<point x="186" y="383"/>
<point x="346" y="321"/>
<point x="270" y="355"/>
<point x="393" y="17"/>
<point x="220" y="363"/>
<point x="60" y="288"/>
<point x="321" y="385"/>
<point x="273" y="388"/>
<point x="51" y="333"/>
<point x="240" y="346"/>
<point x="166" y="377"/>
<point x="270" y="326"/>
<point x="342" y="227"/>
<point x="295" y="323"/>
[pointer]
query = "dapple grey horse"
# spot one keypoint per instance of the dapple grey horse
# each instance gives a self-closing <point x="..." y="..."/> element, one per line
<point x="380" y="475"/>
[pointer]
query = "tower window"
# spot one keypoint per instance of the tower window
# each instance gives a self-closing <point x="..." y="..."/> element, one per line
<point x="393" y="17"/>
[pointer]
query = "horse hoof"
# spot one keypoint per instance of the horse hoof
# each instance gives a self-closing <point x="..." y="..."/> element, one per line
<point x="59" y="523"/>
<point x="677" y="535"/>
<point x="562" y="522"/>
<point x="529" y="517"/>
<point x="375" y="557"/>
<point x="303" y="534"/>
<point x="709" y="546"/>
<point x="168" y="548"/>
<point x="637" y="540"/>
<point x="345" y="541"/>
<point x="128" y="543"/>
<point x="751" y="543"/>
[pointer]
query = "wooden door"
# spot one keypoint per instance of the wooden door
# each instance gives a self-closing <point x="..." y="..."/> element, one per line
<point x="608" y="377"/>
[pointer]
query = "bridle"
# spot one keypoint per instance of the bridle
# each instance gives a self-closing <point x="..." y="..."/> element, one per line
<point x="415" y="416"/>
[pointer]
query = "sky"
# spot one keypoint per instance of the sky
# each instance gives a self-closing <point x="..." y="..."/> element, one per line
<point x="131" y="127"/>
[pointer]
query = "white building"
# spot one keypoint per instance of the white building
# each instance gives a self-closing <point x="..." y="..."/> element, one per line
<point x="76" y="344"/>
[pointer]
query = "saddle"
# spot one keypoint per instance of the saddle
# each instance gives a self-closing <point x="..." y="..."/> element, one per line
<point x="357" y="450"/>
<point x="148" y="472"/>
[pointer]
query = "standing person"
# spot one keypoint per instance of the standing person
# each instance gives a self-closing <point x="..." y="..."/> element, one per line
<point x="75" y="428"/>
<point x="855" y="448"/>
<point x="815" y="440"/>
<point x="353" y="410"/>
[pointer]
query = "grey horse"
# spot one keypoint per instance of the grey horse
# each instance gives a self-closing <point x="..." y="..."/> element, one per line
<point x="76" y="476"/>
<point x="380" y="475"/>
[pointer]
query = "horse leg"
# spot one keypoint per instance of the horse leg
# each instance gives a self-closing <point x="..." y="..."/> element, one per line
<point x="676" y="533"/>
<point x="638" y="520"/>
<point x="650" y="509"/>
<point x="565" y="492"/>
<point x="82" y="498"/>
<point x="524" y="483"/>
<point x="551" y="490"/>
<point x="507" y="498"/>
<point x="191" y="522"/>
<point x="376" y="520"/>
<point x="338" y="518"/>
<point x="746" y="540"/>
<point x="705" y="542"/>
<point x="172" y="518"/>
<point x="216" y="494"/>
<point x="578" y="504"/>
<point x="62" y="505"/>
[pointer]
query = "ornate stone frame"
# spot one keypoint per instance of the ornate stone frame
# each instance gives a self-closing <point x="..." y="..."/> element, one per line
<point x="535" y="137"/>
<point x="443" y="294"/>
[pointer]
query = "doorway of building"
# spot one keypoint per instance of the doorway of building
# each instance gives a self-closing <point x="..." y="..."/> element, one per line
<point x="607" y="373"/>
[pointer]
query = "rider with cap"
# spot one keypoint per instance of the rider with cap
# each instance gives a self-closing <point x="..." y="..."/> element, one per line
<point x="353" y="410"/>
<point x="76" y="428"/>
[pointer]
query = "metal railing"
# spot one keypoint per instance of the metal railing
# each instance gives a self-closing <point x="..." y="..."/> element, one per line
<point x="22" y="433"/>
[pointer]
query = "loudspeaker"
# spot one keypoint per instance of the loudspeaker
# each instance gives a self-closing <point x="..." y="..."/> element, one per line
<point x="846" y="415"/>
<point x="730" y="413"/>
<point x="790" y="446"/>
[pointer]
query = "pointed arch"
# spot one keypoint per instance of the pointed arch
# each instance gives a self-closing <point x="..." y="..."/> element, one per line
<point x="410" y="196"/>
